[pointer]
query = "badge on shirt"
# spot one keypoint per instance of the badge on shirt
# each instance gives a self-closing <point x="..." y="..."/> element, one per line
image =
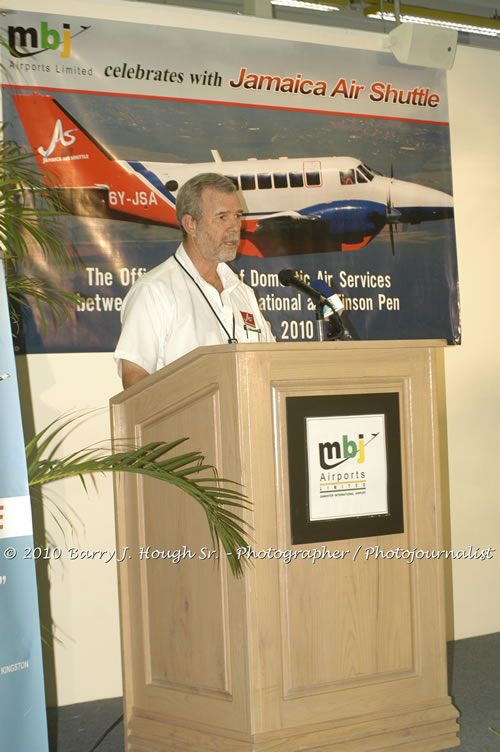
<point x="250" y="326"/>
<point x="248" y="319"/>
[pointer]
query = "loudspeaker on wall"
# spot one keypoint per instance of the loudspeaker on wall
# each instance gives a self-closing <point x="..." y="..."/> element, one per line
<point x="419" y="44"/>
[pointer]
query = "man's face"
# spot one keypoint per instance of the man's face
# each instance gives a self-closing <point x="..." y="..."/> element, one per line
<point x="216" y="234"/>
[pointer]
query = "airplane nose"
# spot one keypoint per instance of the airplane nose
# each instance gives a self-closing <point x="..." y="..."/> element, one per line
<point x="417" y="203"/>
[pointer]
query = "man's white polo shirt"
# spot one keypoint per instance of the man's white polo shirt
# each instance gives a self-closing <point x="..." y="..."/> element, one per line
<point x="165" y="315"/>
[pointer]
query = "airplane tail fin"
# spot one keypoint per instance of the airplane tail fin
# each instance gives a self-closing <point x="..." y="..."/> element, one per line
<point x="73" y="160"/>
<point x="63" y="149"/>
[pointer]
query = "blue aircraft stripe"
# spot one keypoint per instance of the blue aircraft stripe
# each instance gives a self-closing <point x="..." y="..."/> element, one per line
<point x="424" y="213"/>
<point x="325" y="208"/>
<point x="153" y="179"/>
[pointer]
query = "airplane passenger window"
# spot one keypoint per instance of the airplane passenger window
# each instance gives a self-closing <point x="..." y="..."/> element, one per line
<point x="280" y="180"/>
<point x="264" y="180"/>
<point x="313" y="178"/>
<point x="296" y="180"/>
<point x="171" y="185"/>
<point x="234" y="179"/>
<point x="347" y="177"/>
<point x="247" y="182"/>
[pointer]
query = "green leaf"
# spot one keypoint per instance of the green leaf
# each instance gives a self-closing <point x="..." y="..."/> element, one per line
<point x="60" y="303"/>
<point x="153" y="460"/>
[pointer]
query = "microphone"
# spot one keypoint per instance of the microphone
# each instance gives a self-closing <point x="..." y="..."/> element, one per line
<point x="336" y="325"/>
<point x="332" y="297"/>
<point x="337" y="330"/>
<point x="289" y="278"/>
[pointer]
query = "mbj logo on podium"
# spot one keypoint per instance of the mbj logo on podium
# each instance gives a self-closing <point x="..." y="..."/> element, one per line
<point x="22" y="38"/>
<point x="347" y="474"/>
<point x="341" y="452"/>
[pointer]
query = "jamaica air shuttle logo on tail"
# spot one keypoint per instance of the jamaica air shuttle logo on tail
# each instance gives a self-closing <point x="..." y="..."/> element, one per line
<point x="60" y="136"/>
<point x="29" y="41"/>
<point x="347" y="466"/>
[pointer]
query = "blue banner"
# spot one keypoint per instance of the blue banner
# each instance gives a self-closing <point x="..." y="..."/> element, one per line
<point x="23" y="722"/>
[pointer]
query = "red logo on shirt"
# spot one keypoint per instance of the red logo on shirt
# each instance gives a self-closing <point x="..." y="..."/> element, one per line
<point x="248" y="319"/>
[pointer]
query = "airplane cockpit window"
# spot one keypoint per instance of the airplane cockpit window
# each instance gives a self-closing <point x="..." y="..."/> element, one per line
<point x="280" y="180"/>
<point x="313" y="178"/>
<point x="347" y="177"/>
<point x="264" y="180"/>
<point x="367" y="171"/>
<point x="233" y="179"/>
<point x="296" y="180"/>
<point x="360" y="178"/>
<point x="171" y="185"/>
<point x="247" y="182"/>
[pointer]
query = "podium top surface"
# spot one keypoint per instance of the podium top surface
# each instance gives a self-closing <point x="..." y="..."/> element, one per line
<point x="307" y="349"/>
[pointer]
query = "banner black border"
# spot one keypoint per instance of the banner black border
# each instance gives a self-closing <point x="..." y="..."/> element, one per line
<point x="304" y="530"/>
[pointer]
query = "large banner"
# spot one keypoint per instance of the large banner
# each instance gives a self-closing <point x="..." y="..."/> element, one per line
<point x="342" y="157"/>
<point x="23" y="723"/>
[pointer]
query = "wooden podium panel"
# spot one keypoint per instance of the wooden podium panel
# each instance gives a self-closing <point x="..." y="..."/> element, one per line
<point x="343" y="653"/>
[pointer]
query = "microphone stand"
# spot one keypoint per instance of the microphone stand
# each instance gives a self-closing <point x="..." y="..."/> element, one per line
<point x="320" y="319"/>
<point x="336" y="327"/>
<point x="337" y="330"/>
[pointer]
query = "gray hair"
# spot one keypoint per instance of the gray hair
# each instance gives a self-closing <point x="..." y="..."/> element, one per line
<point x="189" y="196"/>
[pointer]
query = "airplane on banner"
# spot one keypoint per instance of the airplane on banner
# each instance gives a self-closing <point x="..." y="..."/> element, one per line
<point x="291" y="205"/>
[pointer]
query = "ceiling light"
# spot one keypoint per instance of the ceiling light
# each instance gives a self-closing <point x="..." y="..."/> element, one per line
<point x="302" y="4"/>
<point x="449" y="20"/>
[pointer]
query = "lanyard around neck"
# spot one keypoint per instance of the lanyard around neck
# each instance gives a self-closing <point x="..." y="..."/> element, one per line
<point x="231" y="340"/>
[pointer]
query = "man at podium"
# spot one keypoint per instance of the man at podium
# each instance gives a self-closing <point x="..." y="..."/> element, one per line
<point x="193" y="298"/>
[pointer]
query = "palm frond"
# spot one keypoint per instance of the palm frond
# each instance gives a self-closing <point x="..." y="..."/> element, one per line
<point x="218" y="497"/>
<point x="59" y="303"/>
<point x="29" y="207"/>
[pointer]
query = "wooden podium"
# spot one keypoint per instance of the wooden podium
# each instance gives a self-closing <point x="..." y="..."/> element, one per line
<point x="341" y="654"/>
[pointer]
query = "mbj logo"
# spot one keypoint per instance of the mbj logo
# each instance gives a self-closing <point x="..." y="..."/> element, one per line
<point x="341" y="451"/>
<point x="47" y="39"/>
<point x="59" y="136"/>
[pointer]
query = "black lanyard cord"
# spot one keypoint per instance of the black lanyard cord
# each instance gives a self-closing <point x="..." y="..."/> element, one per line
<point x="231" y="340"/>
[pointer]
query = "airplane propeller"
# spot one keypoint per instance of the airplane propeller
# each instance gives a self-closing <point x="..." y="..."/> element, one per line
<point x="391" y="217"/>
